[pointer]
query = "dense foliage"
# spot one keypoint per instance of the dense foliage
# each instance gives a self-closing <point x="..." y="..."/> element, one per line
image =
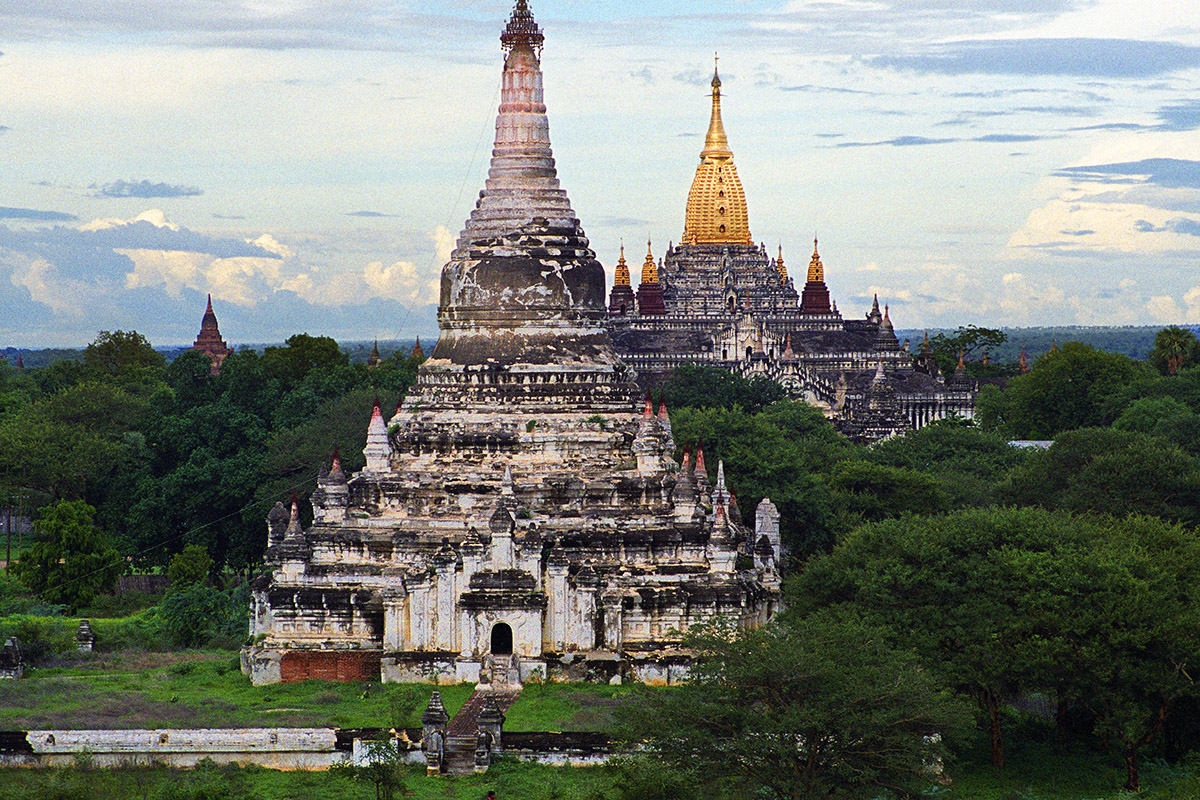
<point x="168" y="456"/>
<point x="1048" y="585"/>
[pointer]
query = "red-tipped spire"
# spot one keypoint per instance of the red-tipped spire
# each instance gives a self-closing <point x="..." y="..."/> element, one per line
<point x="685" y="466"/>
<point x="700" y="468"/>
<point x="376" y="412"/>
<point x="337" y="461"/>
<point x="648" y="409"/>
<point x="662" y="408"/>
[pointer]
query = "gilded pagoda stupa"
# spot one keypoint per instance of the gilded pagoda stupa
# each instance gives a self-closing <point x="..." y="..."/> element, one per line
<point x="718" y="299"/>
<point x="522" y="510"/>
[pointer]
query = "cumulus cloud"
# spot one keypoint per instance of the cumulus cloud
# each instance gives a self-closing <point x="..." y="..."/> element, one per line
<point x="1115" y="58"/>
<point x="145" y="189"/>
<point x="34" y="214"/>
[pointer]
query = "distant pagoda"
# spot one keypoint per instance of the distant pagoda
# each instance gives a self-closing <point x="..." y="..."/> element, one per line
<point x="209" y="341"/>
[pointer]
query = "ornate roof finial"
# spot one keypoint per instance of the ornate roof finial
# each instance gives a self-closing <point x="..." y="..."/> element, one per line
<point x="649" y="269"/>
<point x="417" y="352"/>
<point x="816" y="270"/>
<point x="522" y="29"/>
<point x="621" y="274"/>
<point x="783" y="276"/>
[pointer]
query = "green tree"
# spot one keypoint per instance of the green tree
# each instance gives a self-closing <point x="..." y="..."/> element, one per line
<point x="75" y="559"/>
<point x="1066" y="389"/>
<point x="713" y="387"/>
<point x="1109" y="471"/>
<point x="1098" y="611"/>
<point x="120" y="354"/>
<point x="301" y="355"/>
<point x="967" y="461"/>
<point x="1174" y="348"/>
<point x="193" y="613"/>
<point x="784" y="453"/>
<point x="190" y="566"/>
<point x="814" y="707"/>
<point x="868" y="492"/>
<point x="384" y="768"/>
<point x="967" y="341"/>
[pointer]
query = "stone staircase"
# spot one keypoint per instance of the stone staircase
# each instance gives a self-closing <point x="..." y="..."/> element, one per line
<point x="461" y="732"/>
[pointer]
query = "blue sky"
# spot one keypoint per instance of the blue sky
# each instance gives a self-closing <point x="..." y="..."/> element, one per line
<point x="1027" y="162"/>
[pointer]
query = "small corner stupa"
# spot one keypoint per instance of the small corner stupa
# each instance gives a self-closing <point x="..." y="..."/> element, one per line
<point x="522" y="510"/>
<point x="209" y="341"/>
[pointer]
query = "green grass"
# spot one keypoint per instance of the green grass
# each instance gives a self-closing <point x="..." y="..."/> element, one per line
<point x="194" y="689"/>
<point x="567" y="707"/>
<point x="510" y="781"/>
<point x="1047" y="771"/>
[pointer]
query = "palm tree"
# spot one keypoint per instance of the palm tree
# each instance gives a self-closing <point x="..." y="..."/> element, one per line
<point x="1174" y="348"/>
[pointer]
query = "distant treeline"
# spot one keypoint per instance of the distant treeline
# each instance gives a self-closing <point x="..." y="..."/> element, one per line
<point x="1134" y="341"/>
<point x="358" y="351"/>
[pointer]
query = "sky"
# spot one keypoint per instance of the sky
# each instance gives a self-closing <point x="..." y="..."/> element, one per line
<point x="309" y="164"/>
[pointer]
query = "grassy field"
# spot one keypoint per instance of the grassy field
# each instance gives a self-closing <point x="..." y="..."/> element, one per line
<point x="194" y="689"/>
<point x="509" y="780"/>
<point x="206" y="689"/>
<point x="133" y="689"/>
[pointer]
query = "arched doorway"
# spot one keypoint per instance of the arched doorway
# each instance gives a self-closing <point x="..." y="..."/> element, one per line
<point x="502" y="639"/>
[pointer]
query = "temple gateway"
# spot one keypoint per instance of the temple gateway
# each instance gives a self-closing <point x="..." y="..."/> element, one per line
<point x="522" y="511"/>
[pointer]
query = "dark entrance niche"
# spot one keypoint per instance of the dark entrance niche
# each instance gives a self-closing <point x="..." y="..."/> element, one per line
<point x="502" y="640"/>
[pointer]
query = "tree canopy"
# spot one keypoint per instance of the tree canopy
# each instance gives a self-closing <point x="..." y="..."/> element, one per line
<point x="815" y="707"/>
<point x="74" y="560"/>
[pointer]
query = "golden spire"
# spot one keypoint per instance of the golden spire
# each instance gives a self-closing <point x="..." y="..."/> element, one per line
<point x="716" y="207"/>
<point x="783" y="276"/>
<point x="621" y="274"/>
<point x="649" y="269"/>
<point x="816" y="270"/>
<point x="716" y="145"/>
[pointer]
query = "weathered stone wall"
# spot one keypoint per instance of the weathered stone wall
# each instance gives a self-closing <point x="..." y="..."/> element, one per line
<point x="276" y="748"/>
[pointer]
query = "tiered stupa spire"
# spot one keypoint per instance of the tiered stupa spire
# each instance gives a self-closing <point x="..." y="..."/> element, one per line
<point x="815" y="297"/>
<point x="209" y="341"/>
<point x="522" y="290"/>
<point x="620" y="300"/>
<point x="650" y="293"/>
<point x="716" y="207"/>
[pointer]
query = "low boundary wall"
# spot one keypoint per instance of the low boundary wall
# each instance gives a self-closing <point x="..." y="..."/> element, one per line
<point x="273" y="748"/>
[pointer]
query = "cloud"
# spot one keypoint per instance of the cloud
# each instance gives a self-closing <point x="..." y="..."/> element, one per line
<point x="1008" y="138"/>
<point x="368" y="214"/>
<point x="34" y="214"/>
<point x="808" y="87"/>
<point x="623" y="222"/>
<point x="899" y="141"/>
<point x="4" y="129"/>
<point x="1116" y="58"/>
<point x="228" y="216"/>
<point x="145" y="189"/>
<point x="1180" y="117"/>
<point x="698" y="76"/>
<point x="1169" y="173"/>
